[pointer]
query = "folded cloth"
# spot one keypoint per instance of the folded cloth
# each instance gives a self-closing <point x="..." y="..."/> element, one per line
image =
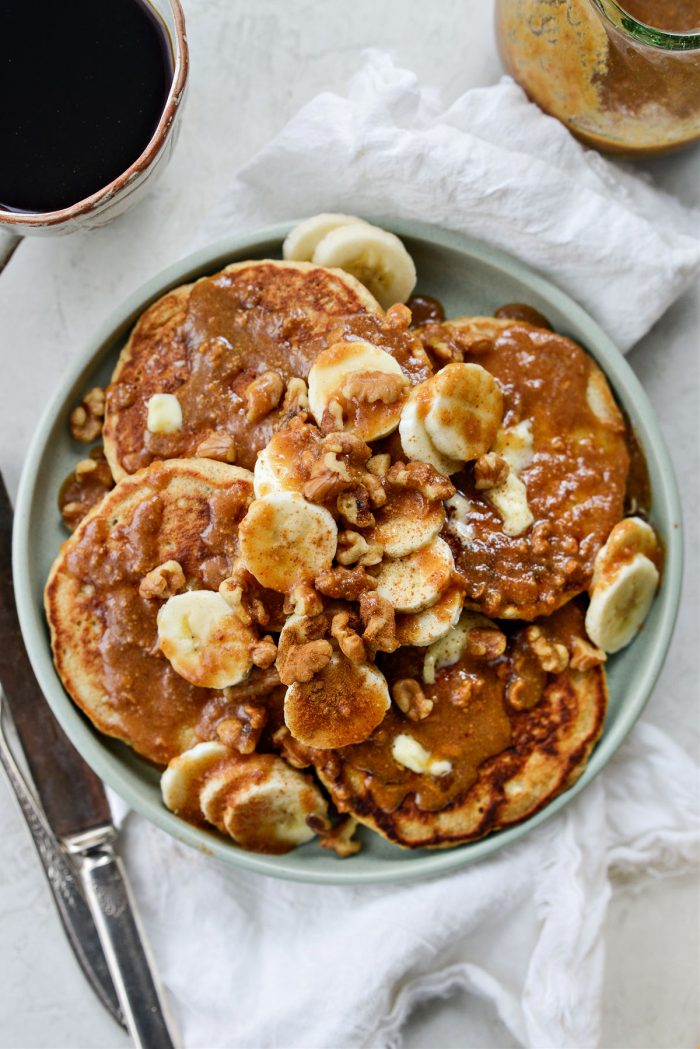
<point x="250" y="961"/>
<point x="490" y="165"/>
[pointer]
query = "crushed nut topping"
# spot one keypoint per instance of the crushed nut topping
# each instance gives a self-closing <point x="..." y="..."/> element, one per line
<point x="243" y="731"/>
<point x="584" y="655"/>
<point x="411" y="699"/>
<point x="379" y="619"/>
<point x="296" y="397"/>
<point x="465" y="691"/>
<point x="377" y="495"/>
<point x="490" y="471"/>
<point x="303" y="601"/>
<point x="354" y="506"/>
<point x="347" y="584"/>
<point x="220" y="446"/>
<point x="263" y="395"/>
<point x="553" y="656"/>
<point x="334" y="465"/>
<point x="539" y="537"/>
<point x="326" y="486"/>
<point x="86" y="420"/>
<point x="379" y="464"/>
<point x="301" y="662"/>
<point x="370" y="387"/>
<point x="351" y="547"/>
<point x="485" y="643"/>
<point x="349" y="641"/>
<point x="348" y="444"/>
<point x="422" y="477"/>
<point x="164" y="581"/>
<point x="340" y="839"/>
<point x="293" y="751"/>
<point x="264" y="652"/>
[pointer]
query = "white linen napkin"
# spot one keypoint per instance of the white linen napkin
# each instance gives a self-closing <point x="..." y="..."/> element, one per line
<point x="254" y="962"/>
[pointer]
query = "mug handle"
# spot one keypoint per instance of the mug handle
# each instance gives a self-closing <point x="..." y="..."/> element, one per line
<point x="8" y="244"/>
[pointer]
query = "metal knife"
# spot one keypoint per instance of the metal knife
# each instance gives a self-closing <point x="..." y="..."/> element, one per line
<point x="75" y="837"/>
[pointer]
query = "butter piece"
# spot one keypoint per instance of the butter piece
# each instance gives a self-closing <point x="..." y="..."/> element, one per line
<point x="408" y="752"/>
<point x="164" y="413"/>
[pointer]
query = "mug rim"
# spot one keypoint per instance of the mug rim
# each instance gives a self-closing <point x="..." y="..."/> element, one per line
<point x="17" y="220"/>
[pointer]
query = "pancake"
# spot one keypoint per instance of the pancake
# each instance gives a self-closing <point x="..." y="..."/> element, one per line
<point x="104" y="633"/>
<point x="207" y="342"/>
<point x="575" y="467"/>
<point x="507" y="762"/>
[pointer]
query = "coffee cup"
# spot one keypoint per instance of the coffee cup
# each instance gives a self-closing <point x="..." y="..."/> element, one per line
<point x="118" y="194"/>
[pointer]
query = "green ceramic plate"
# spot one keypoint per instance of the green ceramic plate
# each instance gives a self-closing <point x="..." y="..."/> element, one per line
<point x="468" y="278"/>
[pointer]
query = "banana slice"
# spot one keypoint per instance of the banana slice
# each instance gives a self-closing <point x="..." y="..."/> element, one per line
<point x="182" y="781"/>
<point x="365" y="381"/>
<point x="415" y="582"/>
<point x="628" y="537"/>
<point x="263" y="804"/>
<point x="204" y="640"/>
<point x="620" y="605"/>
<point x="274" y="471"/>
<point x="408" y="752"/>
<point x="302" y="241"/>
<point x="285" y="540"/>
<point x="342" y="704"/>
<point x="465" y="412"/>
<point x="407" y="522"/>
<point x="425" y="628"/>
<point x="376" y="258"/>
<point x="415" y="441"/>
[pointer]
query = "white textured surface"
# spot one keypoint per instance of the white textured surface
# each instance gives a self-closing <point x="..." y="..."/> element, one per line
<point x="254" y="62"/>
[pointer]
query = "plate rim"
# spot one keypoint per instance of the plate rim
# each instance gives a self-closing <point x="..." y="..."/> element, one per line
<point x="118" y="776"/>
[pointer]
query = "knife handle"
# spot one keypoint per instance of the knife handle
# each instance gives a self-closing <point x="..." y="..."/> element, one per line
<point x="63" y="880"/>
<point x="123" y="941"/>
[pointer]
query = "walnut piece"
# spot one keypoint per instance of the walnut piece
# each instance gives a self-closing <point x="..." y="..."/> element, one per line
<point x="422" y="477"/>
<point x="351" y="547"/>
<point x="354" y="506"/>
<point x="351" y="644"/>
<point x="347" y="584"/>
<point x="553" y="656"/>
<point x="301" y="662"/>
<point x="243" y="731"/>
<point x="296" y="397"/>
<point x="326" y="486"/>
<point x="292" y="750"/>
<point x="370" y="387"/>
<point x="377" y="495"/>
<point x="220" y="446"/>
<point x="86" y="420"/>
<point x="263" y="395"/>
<point x="379" y="464"/>
<point x="264" y="652"/>
<point x="485" y="643"/>
<point x="398" y="317"/>
<point x="341" y="837"/>
<point x="348" y="444"/>
<point x="411" y="699"/>
<point x="584" y="655"/>
<point x="232" y="592"/>
<point x="303" y="601"/>
<point x="490" y="470"/>
<point x="164" y="581"/>
<point x="379" y="619"/>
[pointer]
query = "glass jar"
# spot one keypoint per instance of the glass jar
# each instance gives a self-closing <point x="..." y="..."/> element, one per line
<point x="618" y="82"/>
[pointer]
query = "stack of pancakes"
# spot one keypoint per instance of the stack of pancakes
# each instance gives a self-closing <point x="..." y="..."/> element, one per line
<point x="516" y="728"/>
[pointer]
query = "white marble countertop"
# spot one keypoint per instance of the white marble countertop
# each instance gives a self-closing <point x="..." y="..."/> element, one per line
<point x="254" y="62"/>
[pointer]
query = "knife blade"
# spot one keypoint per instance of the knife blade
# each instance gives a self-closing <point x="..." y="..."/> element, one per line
<point x="77" y="811"/>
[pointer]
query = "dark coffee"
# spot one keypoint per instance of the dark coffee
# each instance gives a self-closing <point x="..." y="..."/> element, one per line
<point x="83" y="84"/>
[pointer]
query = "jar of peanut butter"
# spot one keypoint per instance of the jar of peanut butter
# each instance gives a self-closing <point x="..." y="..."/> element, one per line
<point x="623" y="76"/>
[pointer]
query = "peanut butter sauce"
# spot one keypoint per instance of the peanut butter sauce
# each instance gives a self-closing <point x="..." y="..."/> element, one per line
<point x="237" y="327"/>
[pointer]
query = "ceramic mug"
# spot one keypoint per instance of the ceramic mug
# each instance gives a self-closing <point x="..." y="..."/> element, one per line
<point x="113" y="199"/>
